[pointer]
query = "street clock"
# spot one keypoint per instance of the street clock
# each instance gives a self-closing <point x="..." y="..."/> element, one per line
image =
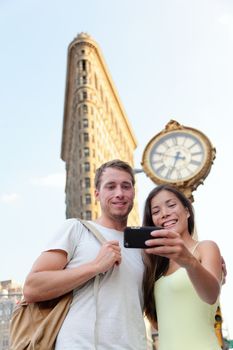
<point x="179" y="155"/>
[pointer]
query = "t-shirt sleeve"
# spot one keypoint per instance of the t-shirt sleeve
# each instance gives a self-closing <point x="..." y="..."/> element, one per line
<point x="66" y="238"/>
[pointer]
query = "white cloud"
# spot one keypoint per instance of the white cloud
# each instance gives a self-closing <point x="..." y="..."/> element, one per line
<point x="9" y="197"/>
<point x="51" y="180"/>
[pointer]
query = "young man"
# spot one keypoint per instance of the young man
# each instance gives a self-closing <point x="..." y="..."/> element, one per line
<point x="106" y="312"/>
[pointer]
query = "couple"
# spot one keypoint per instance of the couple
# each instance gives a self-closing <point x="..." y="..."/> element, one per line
<point x="175" y="282"/>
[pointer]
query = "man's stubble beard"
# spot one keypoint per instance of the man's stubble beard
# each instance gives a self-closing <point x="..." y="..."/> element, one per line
<point x="122" y="217"/>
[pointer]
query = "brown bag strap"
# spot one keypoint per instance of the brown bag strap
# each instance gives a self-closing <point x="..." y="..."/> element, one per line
<point x="94" y="230"/>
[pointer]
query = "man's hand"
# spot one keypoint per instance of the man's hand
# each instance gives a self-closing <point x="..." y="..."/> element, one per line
<point x="109" y="255"/>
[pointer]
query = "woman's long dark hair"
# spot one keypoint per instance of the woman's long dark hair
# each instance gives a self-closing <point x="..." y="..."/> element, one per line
<point x="156" y="266"/>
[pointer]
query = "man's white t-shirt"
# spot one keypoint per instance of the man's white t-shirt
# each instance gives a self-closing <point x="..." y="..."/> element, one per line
<point x="106" y="313"/>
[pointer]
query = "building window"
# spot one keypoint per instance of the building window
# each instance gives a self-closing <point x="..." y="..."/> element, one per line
<point x="106" y="103"/>
<point x="111" y="115"/>
<point x="85" y="123"/>
<point x="86" y="137"/>
<point x="101" y="94"/>
<point x="85" y="109"/>
<point x="87" y="198"/>
<point x="96" y="82"/>
<point x="88" y="215"/>
<point x="86" y="151"/>
<point x="87" y="166"/>
<point x="84" y="95"/>
<point x="81" y="80"/>
<point x="82" y="65"/>
<point x="87" y="182"/>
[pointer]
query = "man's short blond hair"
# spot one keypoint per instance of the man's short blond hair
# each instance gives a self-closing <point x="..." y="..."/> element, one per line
<point x="115" y="164"/>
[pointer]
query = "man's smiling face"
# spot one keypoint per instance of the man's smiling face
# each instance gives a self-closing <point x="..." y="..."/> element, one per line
<point x="115" y="193"/>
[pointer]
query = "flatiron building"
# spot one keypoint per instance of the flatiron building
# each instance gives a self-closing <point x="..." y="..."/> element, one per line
<point x="95" y="127"/>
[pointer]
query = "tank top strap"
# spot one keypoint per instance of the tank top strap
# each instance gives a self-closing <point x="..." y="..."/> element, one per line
<point x="194" y="248"/>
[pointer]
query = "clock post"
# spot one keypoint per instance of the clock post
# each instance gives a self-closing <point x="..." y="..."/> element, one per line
<point x="181" y="156"/>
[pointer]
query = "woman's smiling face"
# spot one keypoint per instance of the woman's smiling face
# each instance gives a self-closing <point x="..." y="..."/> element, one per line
<point x="168" y="211"/>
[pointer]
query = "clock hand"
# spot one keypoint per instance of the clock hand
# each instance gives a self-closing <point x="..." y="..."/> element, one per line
<point x="171" y="155"/>
<point x="177" y="157"/>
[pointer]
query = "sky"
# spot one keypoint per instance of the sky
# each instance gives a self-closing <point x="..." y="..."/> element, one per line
<point x="169" y="59"/>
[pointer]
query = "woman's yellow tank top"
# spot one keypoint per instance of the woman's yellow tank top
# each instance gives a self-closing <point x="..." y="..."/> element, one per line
<point x="185" y="322"/>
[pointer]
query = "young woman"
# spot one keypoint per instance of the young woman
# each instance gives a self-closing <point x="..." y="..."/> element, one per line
<point x="182" y="277"/>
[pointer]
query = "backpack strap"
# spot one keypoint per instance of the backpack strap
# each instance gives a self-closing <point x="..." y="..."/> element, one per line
<point x="94" y="230"/>
<point x="102" y="240"/>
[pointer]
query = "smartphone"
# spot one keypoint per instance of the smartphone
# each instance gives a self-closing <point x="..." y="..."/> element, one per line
<point x="135" y="236"/>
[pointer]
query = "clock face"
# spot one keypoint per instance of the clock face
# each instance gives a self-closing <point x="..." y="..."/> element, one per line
<point x="176" y="156"/>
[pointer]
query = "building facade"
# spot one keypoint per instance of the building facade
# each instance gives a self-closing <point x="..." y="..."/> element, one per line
<point x="10" y="294"/>
<point x="95" y="127"/>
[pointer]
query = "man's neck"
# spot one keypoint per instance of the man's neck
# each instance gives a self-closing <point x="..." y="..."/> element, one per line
<point x="118" y="225"/>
